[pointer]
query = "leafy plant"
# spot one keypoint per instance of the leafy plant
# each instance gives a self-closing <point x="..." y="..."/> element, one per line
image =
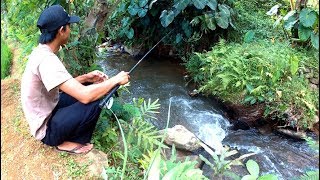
<point x="221" y="163"/>
<point x="135" y="22"/>
<point x="302" y="24"/>
<point x="254" y="170"/>
<point x="258" y="72"/>
<point x="172" y="169"/>
<point x="6" y="58"/>
<point x="310" y="175"/>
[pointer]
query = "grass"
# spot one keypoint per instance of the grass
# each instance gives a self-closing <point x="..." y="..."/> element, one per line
<point x="6" y="57"/>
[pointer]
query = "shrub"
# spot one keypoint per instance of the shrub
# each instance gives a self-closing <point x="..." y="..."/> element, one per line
<point x="6" y="56"/>
<point x="258" y="72"/>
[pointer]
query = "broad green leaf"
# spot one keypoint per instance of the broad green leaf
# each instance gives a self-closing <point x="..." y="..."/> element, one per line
<point x="249" y="36"/>
<point x="289" y="14"/>
<point x="143" y="3"/>
<point x="222" y="20"/>
<point x="125" y="21"/>
<point x="122" y="7"/>
<point x="304" y="32"/>
<point x="248" y="177"/>
<point x="290" y="22"/>
<point x="249" y="88"/>
<point x="142" y="12"/>
<point x="268" y="177"/>
<point x="210" y="22"/>
<point x="133" y="9"/>
<point x="253" y="168"/>
<point x="315" y="40"/>
<point x="294" y="64"/>
<point x="199" y="4"/>
<point x="224" y="9"/>
<point x="307" y="17"/>
<point x="186" y="28"/>
<point x="181" y="5"/>
<point x="130" y="33"/>
<point x="178" y="38"/>
<point x="212" y="4"/>
<point x="166" y="17"/>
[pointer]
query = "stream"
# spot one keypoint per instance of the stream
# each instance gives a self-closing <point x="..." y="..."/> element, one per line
<point x="163" y="79"/>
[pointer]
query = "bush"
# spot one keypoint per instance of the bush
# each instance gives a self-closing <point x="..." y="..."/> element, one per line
<point x="258" y="72"/>
<point x="6" y="56"/>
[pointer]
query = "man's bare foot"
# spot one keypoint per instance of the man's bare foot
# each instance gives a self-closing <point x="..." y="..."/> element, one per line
<point x="74" y="148"/>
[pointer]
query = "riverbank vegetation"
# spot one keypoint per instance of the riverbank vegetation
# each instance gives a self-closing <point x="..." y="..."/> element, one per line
<point x="240" y="51"/>
<point x="6" y="57"/>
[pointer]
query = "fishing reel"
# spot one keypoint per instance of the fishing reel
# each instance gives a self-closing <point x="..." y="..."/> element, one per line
<point x="107" y="102"/>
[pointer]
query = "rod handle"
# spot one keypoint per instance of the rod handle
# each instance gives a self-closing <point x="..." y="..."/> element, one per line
<point x="108" y="96"/>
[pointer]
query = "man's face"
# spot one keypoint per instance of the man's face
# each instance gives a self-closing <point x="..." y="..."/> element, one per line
<point x="66" y="34"/>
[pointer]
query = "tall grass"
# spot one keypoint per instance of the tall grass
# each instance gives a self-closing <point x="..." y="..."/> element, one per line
<point x="6" y="56"/>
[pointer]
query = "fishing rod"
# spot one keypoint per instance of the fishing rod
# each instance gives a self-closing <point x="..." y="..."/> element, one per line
<point x="108" y="100"/>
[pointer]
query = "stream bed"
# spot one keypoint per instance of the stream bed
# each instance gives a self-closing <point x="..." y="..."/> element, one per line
<point x="163" y="79"/>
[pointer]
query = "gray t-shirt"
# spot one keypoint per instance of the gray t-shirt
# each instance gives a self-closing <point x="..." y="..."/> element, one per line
<point x="39" y="88"/>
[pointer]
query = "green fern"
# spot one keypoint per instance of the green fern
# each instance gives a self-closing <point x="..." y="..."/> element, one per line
<point x="143" y="134"/>
<point x="148" y="108"/>
<point x="310" y="175"/>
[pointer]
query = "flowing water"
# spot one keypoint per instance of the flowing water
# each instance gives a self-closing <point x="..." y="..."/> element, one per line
<point x="163" y="79"/>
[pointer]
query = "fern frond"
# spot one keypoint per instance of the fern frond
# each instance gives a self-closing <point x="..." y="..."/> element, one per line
<point x="310" y="175"/>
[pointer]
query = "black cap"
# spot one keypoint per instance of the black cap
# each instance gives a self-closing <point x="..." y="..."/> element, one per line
<point x="54" y="17"/>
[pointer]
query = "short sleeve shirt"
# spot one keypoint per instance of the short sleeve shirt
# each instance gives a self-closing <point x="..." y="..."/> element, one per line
<point x="43" y="74"/>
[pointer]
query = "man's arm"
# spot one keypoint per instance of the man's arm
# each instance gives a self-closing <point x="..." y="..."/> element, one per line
<point x="93" y="77"/>
<point x="87" y="94"/>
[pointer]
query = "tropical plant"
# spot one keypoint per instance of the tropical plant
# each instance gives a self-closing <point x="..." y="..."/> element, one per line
<point x="138" y="135"/>
<point x="252" y="22"/>
<point x="254" y="170"/>
<point x="258" y="72"/>
<point x="190" y="19"/>
<point x="222" y="162"/>
<point x="171" y="169"/>
<point x="301" y="22"/>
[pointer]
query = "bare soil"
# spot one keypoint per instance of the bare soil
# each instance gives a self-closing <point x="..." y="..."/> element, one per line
<point x="23" y="157"/>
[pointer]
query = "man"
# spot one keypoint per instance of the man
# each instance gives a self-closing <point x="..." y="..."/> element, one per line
<point x="64" y="119"/>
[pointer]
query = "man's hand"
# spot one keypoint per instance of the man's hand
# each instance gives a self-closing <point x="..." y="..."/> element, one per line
<point x="122" y="78"/>
<point x="96" y="76"/>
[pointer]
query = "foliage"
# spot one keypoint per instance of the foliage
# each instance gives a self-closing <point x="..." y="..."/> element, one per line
<point x="191" y="20"/>
<point x="6" y="58"/>
<point x="79" y="56"/>
<point x="258" y="72"/>
<point x="222" y="162"/>
<point x="140" y="136"/>
<point x="19" y="25"/>
<point x="74" y="169"/>
<point x="171" y="168"/>
<point x="310" y="175"/>
<point x="301" y="24"/>
<point x="254" y="171"/>
<point x="251" y="20"/>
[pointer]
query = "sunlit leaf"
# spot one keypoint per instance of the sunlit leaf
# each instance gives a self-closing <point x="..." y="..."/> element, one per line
<point x="253" y="168"/>
<point x="166" y="17"/>
<point x="199" y="4"/>
<point x="212" y="4"/>
<point x="304" y="33"/>
<point x="249" y="36"/>
<point x="143" y="3"/>
<point x="307" y="17"/>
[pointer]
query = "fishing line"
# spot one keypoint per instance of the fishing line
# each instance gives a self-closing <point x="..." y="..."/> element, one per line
<point x="105" y="102"/>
